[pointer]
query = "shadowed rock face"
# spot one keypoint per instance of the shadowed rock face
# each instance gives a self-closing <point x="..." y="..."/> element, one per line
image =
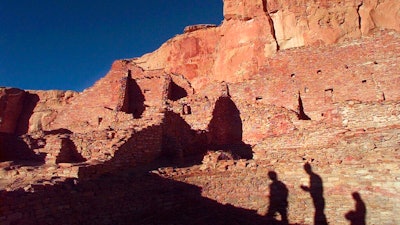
<point x="278" y="85"/>
<point x="272" y="84"/>
<point x="226" y="125"/>
<point x="11" y="104"/>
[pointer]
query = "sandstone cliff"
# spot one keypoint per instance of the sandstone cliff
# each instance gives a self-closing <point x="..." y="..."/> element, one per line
<point x="276" y="86"/>
<point x="255" y="30"/>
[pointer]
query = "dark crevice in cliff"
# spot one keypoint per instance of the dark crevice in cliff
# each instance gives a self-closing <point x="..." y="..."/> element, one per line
<point x="265" y="8"/>
<point x="358" y="13"/>
<point x="271" y="23"/>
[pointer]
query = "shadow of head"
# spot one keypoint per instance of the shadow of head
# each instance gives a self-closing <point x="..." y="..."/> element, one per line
<point x="272" y="175"/>
<point x="307" y="167"/>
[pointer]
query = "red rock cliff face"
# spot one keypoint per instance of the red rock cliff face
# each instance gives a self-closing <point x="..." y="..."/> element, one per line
<point x="246" y="46"/>
<point x="253" y="30"/>
<point x="24" y="112"/>
<point x="279" y="84"/>
<point x="255" y="51"/>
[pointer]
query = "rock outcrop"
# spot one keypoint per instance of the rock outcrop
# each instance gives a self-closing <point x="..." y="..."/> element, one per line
<point x="254" y="30"/>
<point x="300" y="89"/>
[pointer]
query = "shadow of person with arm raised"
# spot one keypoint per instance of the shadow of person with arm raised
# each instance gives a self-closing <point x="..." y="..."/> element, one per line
<point x="357" y="217"/>
<point x="317" y="194"/>
<point x="278" y="199"/>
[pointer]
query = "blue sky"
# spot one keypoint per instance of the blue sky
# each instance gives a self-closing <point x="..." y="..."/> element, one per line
<point x="69" y="44"/>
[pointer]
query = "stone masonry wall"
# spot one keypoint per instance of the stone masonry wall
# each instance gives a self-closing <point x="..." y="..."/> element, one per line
<point x="113" y="199"/>
<point x="245" y="184"/>
<point x="120" y="198"/>
<point x="304" y="94"/>
<point x="140" y="148"/>
<point x="374" y="115"/>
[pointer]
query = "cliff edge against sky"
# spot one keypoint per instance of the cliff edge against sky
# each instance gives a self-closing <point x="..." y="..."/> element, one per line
<point x="288" y="87"/>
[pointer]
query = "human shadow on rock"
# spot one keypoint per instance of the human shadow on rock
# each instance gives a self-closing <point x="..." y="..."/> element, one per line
<point x="124" y="192"/>
<point x="144" y="198"/>
<point x="317" y="194"/>
<point x="226" y="129"/>
<point x="278" y="199"/>
<point x="357" y="216"/>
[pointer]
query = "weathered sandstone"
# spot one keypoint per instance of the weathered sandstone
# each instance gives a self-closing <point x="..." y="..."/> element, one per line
<point x="253" y="30"/>
<point x="303" y="94"/>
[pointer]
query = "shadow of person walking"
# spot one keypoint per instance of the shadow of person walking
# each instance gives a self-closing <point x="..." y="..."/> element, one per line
<point x="357" y="217"/>
<point x="278" y="199"/>
<point x="317" y="194"/>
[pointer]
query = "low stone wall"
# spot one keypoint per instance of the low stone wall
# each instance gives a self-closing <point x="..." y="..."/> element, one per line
<point x="142" y="147"/>
<point x="230" y="191"/>
<point x="130" y="197"/>
<point x="114" y="199"/>
<point x="246" y="184"/>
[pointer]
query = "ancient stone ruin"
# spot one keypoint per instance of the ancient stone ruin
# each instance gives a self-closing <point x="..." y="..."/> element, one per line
<point x="288" y="112"/>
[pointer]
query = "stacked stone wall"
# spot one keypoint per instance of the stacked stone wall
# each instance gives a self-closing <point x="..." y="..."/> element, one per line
<point x="117" y="199"/>
<point x="142" y="147"/>
<point x="122" y="198"/>
<point x="356" y="115"/>
<point x="245" y="184"/>
<point x="327" y="113"/>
